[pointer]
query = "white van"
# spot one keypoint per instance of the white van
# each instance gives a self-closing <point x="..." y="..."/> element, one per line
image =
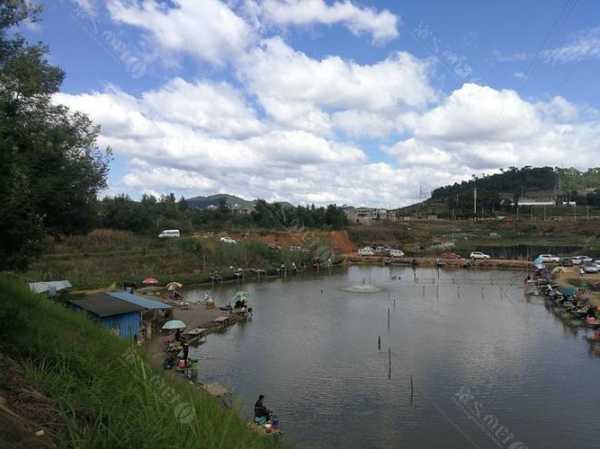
<point x="169" y="234"/>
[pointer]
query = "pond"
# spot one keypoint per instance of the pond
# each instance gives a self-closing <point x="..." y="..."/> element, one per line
<point x="489" y="367"/>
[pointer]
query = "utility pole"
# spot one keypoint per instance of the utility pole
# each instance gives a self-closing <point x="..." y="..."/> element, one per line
<point x="475" y="202"/>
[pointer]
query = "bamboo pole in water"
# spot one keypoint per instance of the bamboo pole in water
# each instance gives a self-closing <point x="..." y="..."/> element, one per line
<point x="388" y="321"/>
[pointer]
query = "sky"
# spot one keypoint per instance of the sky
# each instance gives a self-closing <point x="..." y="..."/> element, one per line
<point x="370" y="103"/>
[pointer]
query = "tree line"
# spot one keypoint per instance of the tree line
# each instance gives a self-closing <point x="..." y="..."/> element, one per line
<point x="501" y="191"/>
<point x="52" y="169"/>
<point x="152" y="214"/>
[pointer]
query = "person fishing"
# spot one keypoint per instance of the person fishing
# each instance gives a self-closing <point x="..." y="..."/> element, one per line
<point x="261" y="413"/>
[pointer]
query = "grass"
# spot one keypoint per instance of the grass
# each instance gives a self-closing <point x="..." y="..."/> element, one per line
<point x="420" y="237"/>
<point x="107" y="394"/>
<point x="104" y="257"/>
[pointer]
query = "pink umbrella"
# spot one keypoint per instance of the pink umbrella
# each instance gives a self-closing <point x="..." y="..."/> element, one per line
<point x="150" y="281"/>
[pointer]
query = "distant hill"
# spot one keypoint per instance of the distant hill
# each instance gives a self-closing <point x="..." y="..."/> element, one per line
<point x="233" y="202"/>
<point x="500" y="190"/>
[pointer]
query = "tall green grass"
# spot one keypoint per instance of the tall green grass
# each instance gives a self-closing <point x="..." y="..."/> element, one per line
<point x="107" y="394"/>
<point x="104" y="257"/>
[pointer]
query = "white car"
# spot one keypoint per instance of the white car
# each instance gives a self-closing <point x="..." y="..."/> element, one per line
<point x="396" y="253"/>
<point x="366" y="251"/>
<point x="228" y="240"/>
<point x="169" y="234"/>
<point x="581" y="260"/>
<point x="548" y="258"/>
<point x="479" y="255"/>
<point x="591" y="268"/>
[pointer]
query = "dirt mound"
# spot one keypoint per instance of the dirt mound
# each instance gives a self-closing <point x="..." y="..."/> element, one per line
<point x="341" y="242"/>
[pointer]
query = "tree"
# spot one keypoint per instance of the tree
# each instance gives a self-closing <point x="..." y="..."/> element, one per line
<point x="50" y="166"/>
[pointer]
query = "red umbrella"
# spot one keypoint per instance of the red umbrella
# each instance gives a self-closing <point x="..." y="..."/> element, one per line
<point x="150" y="281"/>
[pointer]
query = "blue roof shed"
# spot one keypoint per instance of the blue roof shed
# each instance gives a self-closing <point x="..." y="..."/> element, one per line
<point x="122" y="317"/>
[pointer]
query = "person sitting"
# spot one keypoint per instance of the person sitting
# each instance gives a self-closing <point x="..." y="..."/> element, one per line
<point x="261" y="413"/>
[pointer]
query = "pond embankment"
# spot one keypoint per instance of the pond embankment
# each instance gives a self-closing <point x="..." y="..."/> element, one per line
<point x="102" y="386"/>
<point x="514" y="264"/>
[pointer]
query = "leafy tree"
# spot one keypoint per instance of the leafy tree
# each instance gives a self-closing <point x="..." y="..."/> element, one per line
<point x="50" y="167"/>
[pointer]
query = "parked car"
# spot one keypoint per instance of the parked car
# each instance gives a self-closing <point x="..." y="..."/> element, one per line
<point x="382" y="250"/>
<point x="479" y="255"/>
<point x="566" y="262"/>
<point x="581" y="260"/>
<point x="169" y="234"/>
<point x="396" y="253"/>
<point x="366" y="251"/>
<point x="548" y="258"/>
<point x="228" y="240"/>
<point x="591" y="268"/>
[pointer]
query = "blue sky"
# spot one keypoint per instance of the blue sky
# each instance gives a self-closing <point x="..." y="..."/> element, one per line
<point x="325" y="101"/>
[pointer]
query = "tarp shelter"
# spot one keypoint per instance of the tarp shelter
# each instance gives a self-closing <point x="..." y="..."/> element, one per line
<point x="44" y="287"/>
<point x="121" y="317"/>
<point x="147" y="304"/>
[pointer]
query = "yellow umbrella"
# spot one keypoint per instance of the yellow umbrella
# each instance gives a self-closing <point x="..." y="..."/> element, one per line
<point x="173" y="286"/>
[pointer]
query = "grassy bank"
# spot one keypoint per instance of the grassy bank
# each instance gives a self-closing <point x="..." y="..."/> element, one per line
<point x="432" y="237"/>
<point x="107" y="395"/>
<point x="104" y="257"/>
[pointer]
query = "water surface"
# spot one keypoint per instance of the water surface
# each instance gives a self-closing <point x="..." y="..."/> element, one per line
<point x="485" y="362"/>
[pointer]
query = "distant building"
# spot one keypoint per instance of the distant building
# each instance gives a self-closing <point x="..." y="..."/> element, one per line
<point x="536" y="203"/>
<point x="365" y="215"/>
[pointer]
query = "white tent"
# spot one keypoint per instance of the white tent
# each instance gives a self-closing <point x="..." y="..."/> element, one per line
<point x="45" y="287"/>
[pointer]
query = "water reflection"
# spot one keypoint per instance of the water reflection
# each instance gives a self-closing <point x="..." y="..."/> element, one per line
<point x="312" y="350"/>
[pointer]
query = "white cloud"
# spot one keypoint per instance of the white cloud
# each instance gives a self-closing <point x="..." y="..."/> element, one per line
<point x="511" y="57"/>
<point x="212" y="106"/>
<point x="154" y="127"/>
<point x="520" y="76"/>
<point x="586" y="45"/>
<point x="87" y="6"/>
<point x="476" y="112"/>
<point x="207" y="29"/>
<point x="412" y="152"/>
<point x="478" y="128"/>
<point x="557" y="109"/>
<point x="299" y="91"/>
<point x="171" y="178"/>
<point x="381" y="25"/>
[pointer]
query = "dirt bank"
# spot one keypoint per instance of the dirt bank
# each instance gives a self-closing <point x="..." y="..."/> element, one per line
<point x="338" y="240"/>
<point x="433" y="261"/>
<point x="28" y="419"/>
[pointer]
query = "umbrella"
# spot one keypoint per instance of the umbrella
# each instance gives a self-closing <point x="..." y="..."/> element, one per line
<point x="173" y="324"/>
<point x="174" y="285"/>
<point x="150" y="281"/>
